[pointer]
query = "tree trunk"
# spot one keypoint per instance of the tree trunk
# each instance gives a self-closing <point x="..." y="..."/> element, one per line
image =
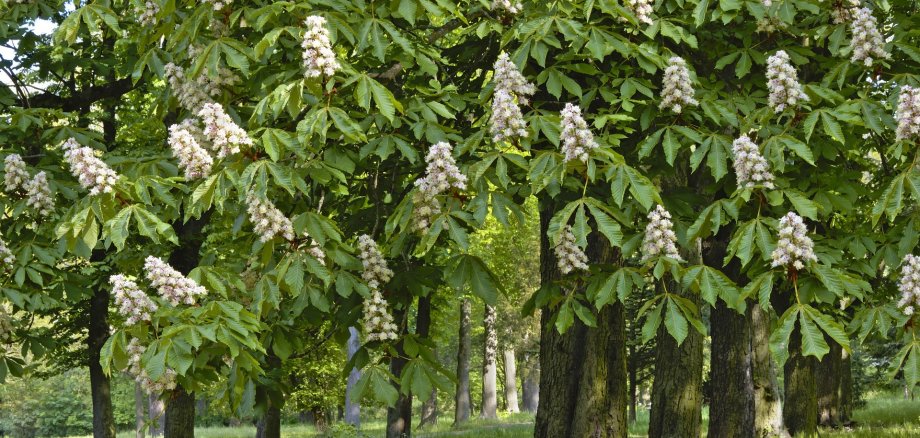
<point x="399" y="417"/>
<point x="800" y="412"/>
<point x="180" y="414"/>
<point x="833" y="380"/>
<point x="489" y="352"/>
<point x="677" y="401"/>
<point x="768" y="407"/>
<point x="463" y="406"/>
<point x="156" y="414"/>
<point x="103" y="416"/>
<point x="731" y="408"/>
<point x="530" y="387"/>
<point x="846" y="389"/>
<point x="430" y="409"/>
<point x="582" y="371"/>
<point x="269" y="425"/>
<point x="352" y="407"/>
<point x="140" y="402"/>
<point x="511" y="393"/>
<point x="602" y="397"/>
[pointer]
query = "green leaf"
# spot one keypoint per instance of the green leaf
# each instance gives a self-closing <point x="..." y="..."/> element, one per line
<point x="676" y="323"/>
<point x="813" y="343"/>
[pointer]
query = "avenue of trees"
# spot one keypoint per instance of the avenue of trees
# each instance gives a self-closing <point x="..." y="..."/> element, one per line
<point x="234" y="198"/>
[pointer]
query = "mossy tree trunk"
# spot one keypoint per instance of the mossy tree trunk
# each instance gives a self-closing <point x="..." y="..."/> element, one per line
<point x="800" y="411"/>
<point x="768" y="404"/>
<point x="583" y="385"/>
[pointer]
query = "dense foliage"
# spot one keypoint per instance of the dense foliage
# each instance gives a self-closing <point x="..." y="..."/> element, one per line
<point x="213" y="164"/>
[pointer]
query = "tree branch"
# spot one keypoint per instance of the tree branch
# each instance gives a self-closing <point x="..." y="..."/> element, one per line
<point x="81" y="98"/>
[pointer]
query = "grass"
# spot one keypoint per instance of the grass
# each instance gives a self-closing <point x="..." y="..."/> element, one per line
<point x="886" y="415"/>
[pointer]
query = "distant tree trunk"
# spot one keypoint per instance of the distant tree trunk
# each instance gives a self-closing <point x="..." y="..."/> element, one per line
<point x="530" y="387"/>
<point x="768" y="406"/>
<point x="430" y="409"/>
<point x="633" y="387"/>
<point x="583" y="384"/>
<point x="463" y="406"/>
<point x="352" y="407"/>
<point x="489" y="356"/>
<point x="800" y="411"/>
<point x="511" y="393"/>
<point x="269" y="425"/>
<point x="157" y="415"/>
<point x="833" y="381"/>
<point x="103" y="416"/>
<point x="140" y="402"/>
<point x="731" y="408"/>
<point x="677" y="401"/>
<point x="180" y="414"/>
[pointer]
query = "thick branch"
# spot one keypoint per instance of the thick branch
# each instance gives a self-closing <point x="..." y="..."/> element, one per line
<point x="80" y="99"/>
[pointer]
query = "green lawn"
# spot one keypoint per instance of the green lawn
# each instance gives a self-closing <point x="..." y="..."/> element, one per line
<point x="884" y="416"/>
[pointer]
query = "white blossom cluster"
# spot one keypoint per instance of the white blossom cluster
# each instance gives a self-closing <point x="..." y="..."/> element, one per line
<point x="38" y="194"/>
<point x="170" y="283"/>
<point x="194" y="160"/>
<point x="783" y="82"/>
<point x="570" y="256"/>
<point x="909" y="284"/>
<point x="131" y="301"/>
<point x="507" y="121"/>
<point x="512" y="6"/>
<point x="191" y="95"/>
<point x="6" y="256"/>
<point x="751" y="168"/>
<point x="318" y="57"/>
<point x="375" y="272"/>
<point x="267" y="220"/>
<point x="317" y="252"/>
<point x="90" y="171"/>
<point x="843" y="10"/>
<point x="441" y="175"/>
<point x="219" y="4"/>
<point x="642" y="9"/>
<point x="15" y="176"/>
<point x="770" y="24"/>
<point x="147" y="15"/>
<point x="577" y="140"/>
<point x="659" y="239"/>
<point x="166" y="382"/>
<point x="225" y="135"/>
<point x="908" y="113"/>
<point x="867" y="41"/>
<point x="794" y="246"/>
<point x="378" y="323"/>
<point x="677" y="90"/>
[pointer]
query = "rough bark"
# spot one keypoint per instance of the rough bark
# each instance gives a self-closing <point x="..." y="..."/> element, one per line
<point x="463" y="406"/>
<point x="511" y="393"/>
<point x="768" y="406"/>
<point x="180" y="414"/>
<point x="833" y="380"/>
<point x="103" y="416"/>
<point x="489" y="408"/>
<point x="156" y="414"/>
<point x="800" y="411"/>
<point x="140" y="402"/>
<point x="602" y="398"/>
<point x="677" y="401"/>
<point x="633" y="387"/>
<point x="352" y="407"/>
<point x="731" y="409"/>
<point x="846" y="390"/>
<point x="582" y="371"/>
<point x="269" y="425"/>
